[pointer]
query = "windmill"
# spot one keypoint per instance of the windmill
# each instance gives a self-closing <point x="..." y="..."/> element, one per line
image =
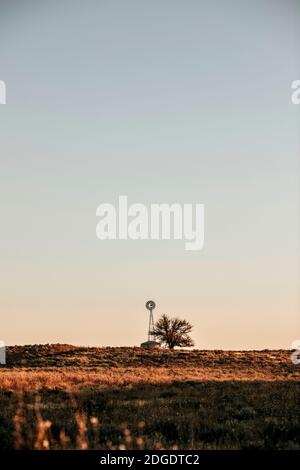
<point x="151" y="343"/>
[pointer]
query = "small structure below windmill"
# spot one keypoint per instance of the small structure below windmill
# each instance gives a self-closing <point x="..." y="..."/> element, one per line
<point x="151" y="343"/>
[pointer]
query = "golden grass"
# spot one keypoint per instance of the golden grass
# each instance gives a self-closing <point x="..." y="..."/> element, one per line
<point x="33" y="380"/>
<point x="62" y="366"/>
<point x="65" y="397"/>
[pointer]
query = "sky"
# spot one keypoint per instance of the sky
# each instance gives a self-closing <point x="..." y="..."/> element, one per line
<point x="162" y="101"/>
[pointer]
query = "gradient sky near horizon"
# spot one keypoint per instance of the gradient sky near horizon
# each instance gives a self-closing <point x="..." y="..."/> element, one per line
<point x="163" y="101"/>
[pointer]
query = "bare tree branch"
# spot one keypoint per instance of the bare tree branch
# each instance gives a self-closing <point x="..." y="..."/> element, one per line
<point x="173" y="332"/>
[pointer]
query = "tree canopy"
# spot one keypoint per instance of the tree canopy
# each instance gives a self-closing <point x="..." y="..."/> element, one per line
<point x="173" y="332"/>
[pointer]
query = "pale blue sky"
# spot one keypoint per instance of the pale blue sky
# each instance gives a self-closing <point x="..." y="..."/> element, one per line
<point x="164" y="101"/>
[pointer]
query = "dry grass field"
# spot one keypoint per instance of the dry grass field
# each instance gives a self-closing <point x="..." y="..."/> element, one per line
<point x="66" y="397"/>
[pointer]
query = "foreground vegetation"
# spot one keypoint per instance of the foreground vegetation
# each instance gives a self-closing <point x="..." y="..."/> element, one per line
<point x="66" y="397"/>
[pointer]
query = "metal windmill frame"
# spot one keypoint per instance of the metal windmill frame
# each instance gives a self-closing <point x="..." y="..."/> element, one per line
<point x="150" y="305"/>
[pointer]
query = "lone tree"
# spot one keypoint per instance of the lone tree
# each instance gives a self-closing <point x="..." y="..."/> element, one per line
<point x="173" y="332"/>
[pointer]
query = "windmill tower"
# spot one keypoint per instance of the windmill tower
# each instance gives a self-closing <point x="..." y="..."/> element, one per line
<point x="151" y="343"/>
<point x="150" y="305"/>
